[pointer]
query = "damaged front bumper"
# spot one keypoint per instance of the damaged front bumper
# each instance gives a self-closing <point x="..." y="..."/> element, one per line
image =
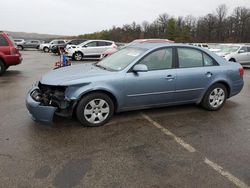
<point x="38" y="111"/>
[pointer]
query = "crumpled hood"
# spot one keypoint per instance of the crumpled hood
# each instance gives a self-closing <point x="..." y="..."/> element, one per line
<point x="67" y="75"/>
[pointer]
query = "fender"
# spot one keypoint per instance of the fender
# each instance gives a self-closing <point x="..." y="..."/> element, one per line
<point x="223" y="81"/>
<point x="77" y="92"/>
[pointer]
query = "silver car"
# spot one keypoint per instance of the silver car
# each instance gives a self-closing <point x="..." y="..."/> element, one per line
<point x="236" y="53"/>
<point x="137" y="77"/>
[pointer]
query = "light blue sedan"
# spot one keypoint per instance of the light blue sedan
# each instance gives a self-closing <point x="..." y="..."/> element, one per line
<point x="137" y="77"/>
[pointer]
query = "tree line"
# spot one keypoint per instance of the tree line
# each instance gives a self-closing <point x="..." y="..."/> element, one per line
<point x="219" y="26"/>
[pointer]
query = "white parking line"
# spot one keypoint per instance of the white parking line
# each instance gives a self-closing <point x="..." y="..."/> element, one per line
<point x="169" y="133"/>
<point x="226" y="174"/>
<point x="191" y="149"/>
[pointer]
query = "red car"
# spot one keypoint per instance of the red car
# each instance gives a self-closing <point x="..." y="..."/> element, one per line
<point x="9" y="54"/>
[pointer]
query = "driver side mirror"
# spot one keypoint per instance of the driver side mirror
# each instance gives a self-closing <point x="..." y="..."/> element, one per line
<point x="140" y="68"/>
<point x="241" y="51"/>
<point x="85" y="46"/>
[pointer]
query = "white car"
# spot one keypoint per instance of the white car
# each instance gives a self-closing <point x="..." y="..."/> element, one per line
<point x="236" y="53"/>
<point x="202" y="45"/>
<point x="91" y="49"/>
<point x="46" y="46"/>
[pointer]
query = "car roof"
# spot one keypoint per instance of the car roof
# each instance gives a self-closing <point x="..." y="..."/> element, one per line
<point x="159" y="45"/>
<point x="99" y="40"/>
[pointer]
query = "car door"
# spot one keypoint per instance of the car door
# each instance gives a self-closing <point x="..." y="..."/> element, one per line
<point x="196" y="70"/>
<point x="242" y="55"/>
<point x="154" y="87"/>
<point x="34" y="43"/>
<point x="27" y="44"/>
<point x="103" y="46"/>
<point x="90" y="48"/>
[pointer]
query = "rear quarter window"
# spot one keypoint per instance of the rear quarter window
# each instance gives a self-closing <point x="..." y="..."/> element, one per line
<point x="3" y="41"/>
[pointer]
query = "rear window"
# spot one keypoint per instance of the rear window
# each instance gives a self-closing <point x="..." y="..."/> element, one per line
<point x="3" y="41"/>
<point x="189" y="58"/>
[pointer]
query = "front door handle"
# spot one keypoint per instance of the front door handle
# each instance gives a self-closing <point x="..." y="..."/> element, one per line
<point x="170" y="77"/>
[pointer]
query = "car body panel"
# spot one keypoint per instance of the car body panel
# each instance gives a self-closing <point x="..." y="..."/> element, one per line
<point x="39" y="112"/>
<point x="9" y="54"/>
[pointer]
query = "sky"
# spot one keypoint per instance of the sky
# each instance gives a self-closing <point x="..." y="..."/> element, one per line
<point x="74" y="17"/>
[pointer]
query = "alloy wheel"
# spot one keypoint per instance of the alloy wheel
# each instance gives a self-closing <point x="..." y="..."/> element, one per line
<point x="96" y="111"/>
<point x="217" y="97"/>
<point x="78" y="56"/>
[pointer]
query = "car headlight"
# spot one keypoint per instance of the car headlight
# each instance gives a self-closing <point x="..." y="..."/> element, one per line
<point x="36" y="95"/>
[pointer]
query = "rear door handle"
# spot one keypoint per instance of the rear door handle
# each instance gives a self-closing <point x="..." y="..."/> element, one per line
<point x="170" y="77"/>
<point x="209" y="74"/>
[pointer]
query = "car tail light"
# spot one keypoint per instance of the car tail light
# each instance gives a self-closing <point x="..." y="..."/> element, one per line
<point x="241" y="70"/>
<point x="13" y="51"/>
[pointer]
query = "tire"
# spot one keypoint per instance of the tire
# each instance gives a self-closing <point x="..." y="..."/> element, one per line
<point x="215" y="97"/>
<point x="91" y="113"/>
<point x="2" y="67"/>
<point x="20" y="47"/>
<point x="77" y="56"/>
<point x="46" y="49"/>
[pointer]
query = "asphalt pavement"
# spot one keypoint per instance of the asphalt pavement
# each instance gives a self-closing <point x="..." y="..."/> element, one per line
<point x="182" y="146"/>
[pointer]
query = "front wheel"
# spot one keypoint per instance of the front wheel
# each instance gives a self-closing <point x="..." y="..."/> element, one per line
<point x="95" y="110"/>
<point x="215" y="97"/>
<point x="77" y="56"/>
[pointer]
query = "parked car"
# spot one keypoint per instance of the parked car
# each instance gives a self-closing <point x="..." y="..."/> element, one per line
<point x="109" y="52"/>
<point x="91" y="49"/>
<point x="29" y="44"/>
<point x="137" y="77"/>
<point x="201" y="45"/>
<point x="46" y="46"/>
<point x="19" y="42"/>
<point x="9" y="54"/>
<point x="236" y="53"/>
<point x="56" y="48"/>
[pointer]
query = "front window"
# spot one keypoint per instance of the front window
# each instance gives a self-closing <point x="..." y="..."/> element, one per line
<point x="121" y="59"/>
<point x="91" y="44"/>
<point x="158" y="60"/>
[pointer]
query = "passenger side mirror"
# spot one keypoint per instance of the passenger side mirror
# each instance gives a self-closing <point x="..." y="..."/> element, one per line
<point x="140" y="68"/>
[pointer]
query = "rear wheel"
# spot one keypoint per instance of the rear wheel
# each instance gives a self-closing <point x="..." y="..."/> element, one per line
<point x="215" y="97"/>
<point x="78" y="56"/>
<point x="46" y="49"/>
<point x="20" y="47"/>
<point x="2" y="67"/>
<point x="95" y="110"/>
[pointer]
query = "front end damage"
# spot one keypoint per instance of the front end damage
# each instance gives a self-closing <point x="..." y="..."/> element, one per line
<point x="44" y="101"/>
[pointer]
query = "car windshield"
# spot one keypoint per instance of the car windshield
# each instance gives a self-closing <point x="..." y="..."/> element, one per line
<point x="228" y="49"/>
<point x="121" y="59"/>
